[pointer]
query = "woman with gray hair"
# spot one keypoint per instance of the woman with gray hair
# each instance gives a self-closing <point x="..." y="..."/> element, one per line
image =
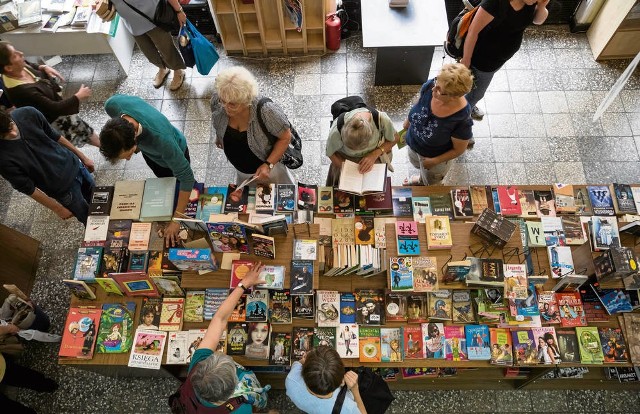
<point x="360" y="141"/>
<point x="214" y="379"/>
<point x="236" y="127"/>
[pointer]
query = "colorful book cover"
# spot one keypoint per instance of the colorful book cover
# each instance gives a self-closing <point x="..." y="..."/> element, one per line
<point x="327" y="312"/>
<point x="601" y="200"/>
<point x="413" y="342"/>
<point x="273" y="275"/>
<point x="462" y="308"/>
<point x="286" y="197"/>
<point x="307" y="196"/>
<point x="548" y="308"/>
<point x="80" y="332"/>
<point x="396" y="307"/>
<point x="138" y="260"/>
<point x="582" y="200"/>
<point x="326" y="336"/>
<point x="172" y="314"/>
<point x="343" y="202"/>
<point x="401" y="201"/>
<point x="421" y="208"/>
<point x="87" y="265"/>
<point x="302" y="342"/>
<point x="524" y="347"/>
<point x="79" y="289"/>
<point x="347" y="308"/>
<point x="407" y="238"/>
<point x="613" y="300"/>
<point x="509" y="200"/>
<point x="213" y="298"/>
<point x="425" y="274"/>
<point x="560" y="260"/>
<point x="325" y="203"/>
<point x="440" y="305"/>
<point x="239" y="269"/>
<point x="455" y="343"/>
<point x="568" y="345"/>
<point x="135" y="284"/>
<point x="191" y="210"/>
<point x="614" y="346"/>
<point x="109" y="286"/>
<point x="370" y="306"/>
<point x="258" y="340"/>
<point x="236" y="200"/>
<point x="604" y="233"/>
<point x="301" y="277"/>
<point x="168" y="285"/>
<point x="116" y="327"/>
<point x="193" y="260"/>
<point x="237" y="336"/>
<point x="525" y="307"/>
<point x="369" y="344"/>
<point x="391" y="345"/>
<point x="280" y="352"/>
<point x="571" y="310"/>
<point x="434" y="340"/>
<point x="239" y="313"/>
<point x="401" y="273"/>
<point x="150" y="313"/>
<point x="457" y="271"/>
<point x="545" y="203"/>
<point x="194" y="306"/>
<point x="416" y="308"/>
<point x="263" y="246"/>
<point x="177" y="345"/>
<point x="515" y="281"/>
<point x="228" y="238"/>
<point x="589" y="343"/>
<point x="438" y="233"/>
<point x="501" y="351"/>
<point x="478" y="342"/>
<point x="303" y="306"/>
<point x="565" y="201"/>
<point x="461" y="199"/>
<point x="553" y="231"/>
<point x="257" y="305"/>
<point x="574" y="232"/>
<point x="139" y="236"/>
<point x="280" y="306"/>
<point x="546" y="342"/>
<point x="363" y="229"/>
<point x="147" y="350"/>
<point x="528" y="203"/>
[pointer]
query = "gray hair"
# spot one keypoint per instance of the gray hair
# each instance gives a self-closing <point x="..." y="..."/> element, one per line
<point x="356" y="133"/>
<point x="214" y="378"/>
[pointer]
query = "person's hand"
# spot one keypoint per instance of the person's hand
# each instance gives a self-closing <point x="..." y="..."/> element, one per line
<point x="303" y="359"/>
<point x="263" y="172"/>
<point x="83" y="93"/>
<point x="219" y="144"/>
<point x="88" y="164"/>
<point x="406" y="124"/>
<point x="52" y="73"/>
<point x="171" y="234"/>
<point x="351" y="379"/>
<point x="182" y="18"/>
<point x="366" y="163"/>
<point x="63" y="212"/>
<point x="429" y="163"/>
<point x="252" y="277"/>
<point x="9" y="329"/>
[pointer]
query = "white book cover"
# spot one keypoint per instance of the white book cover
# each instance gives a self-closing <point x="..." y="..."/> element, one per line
<point x="177" y="347"/>
<point x="635" y="192"/>
<point x="139" y="238"/>
<point x="327" y="307"/>
<point x="195" y="337"/>
<point x="305" y="249"/>
<point x="347" y="341"/>
<point x="96" y="230"/>
<point x="147" y="350"/>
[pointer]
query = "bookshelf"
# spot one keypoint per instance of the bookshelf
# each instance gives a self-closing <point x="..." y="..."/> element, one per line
<point x="263" y="27"/>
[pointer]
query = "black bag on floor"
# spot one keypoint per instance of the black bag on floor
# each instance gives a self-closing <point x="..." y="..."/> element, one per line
<point x="375" y="393"/>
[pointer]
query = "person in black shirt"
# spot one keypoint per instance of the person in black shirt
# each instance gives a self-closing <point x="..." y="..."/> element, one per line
<point x="494" y="36"/>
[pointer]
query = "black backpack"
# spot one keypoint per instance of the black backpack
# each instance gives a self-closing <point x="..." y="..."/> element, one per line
<point x="459" y="28"/>
<point x="340" y="107"/>
<point x="292" y="158"/>
<point x="375" y="393"/>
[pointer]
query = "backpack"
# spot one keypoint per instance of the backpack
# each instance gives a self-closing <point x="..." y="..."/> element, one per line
<point x="375" y="393"/>
<point x="292" y="157"/>
<point x="459" y="28"/>
<point x="184" y="401"/>
<point x="340" y="107"/>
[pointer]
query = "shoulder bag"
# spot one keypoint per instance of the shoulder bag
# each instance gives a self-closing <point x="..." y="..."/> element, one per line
<point x="164" y="17"/>
<point x="292" y="157"/>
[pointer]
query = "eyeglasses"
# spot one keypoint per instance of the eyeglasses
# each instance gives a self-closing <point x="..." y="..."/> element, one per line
<point x="229" y="104"/>
<point x="437" y="88"/>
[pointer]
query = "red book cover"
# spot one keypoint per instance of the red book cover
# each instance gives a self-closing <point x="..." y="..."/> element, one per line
<point x="571" y="309"/>
<point x="80" y="332"/>
<point x="239" y="269"/>
<point x="413" y="342"/>
<point x="380" y="201"/>
<point x="135" y="284"/>
<point x="509" y="200"/>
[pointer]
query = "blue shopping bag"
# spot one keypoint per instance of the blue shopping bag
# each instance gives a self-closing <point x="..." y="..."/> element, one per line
<point x="185" y="48"/>
<point x="205" y="53"/>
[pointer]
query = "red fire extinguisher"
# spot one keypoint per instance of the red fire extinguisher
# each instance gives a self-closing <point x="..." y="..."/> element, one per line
<point x="332" y="28"/>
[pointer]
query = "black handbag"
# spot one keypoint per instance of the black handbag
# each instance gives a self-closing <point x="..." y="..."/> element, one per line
<point x="292" y="157"/>
<point x="165" y="17"/>
<point x="375" y="393"/>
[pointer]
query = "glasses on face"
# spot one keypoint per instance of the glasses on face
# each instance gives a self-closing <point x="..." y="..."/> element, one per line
<point x="437" y="88"/>
<point x="230" y="105"/>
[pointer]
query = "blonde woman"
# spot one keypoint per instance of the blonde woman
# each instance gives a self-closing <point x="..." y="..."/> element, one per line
<point x="439" y="125"/>
<point x="236" y="129"/>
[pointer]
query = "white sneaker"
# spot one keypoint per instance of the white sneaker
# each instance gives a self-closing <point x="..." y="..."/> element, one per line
<point x="161" y="77"/>
<point x="178" y="79"/>
<point x="477" y="113"/>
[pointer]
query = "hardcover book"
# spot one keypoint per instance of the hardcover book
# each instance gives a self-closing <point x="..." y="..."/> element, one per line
<point x="401" y="273"/>
<point x="280" y="348"/>
<point x="302" y="342"/>
<point x="425" y="274"/>
<point x="212" y="201"/>
<point x="413" y="342"/>
<point x="478" y="342"/>
<point x="127" y="200"/>
<point x="421" y="208"/>
<point x="509" y="200"/>
<point x="369" y="306"/>
<point x="109" y="286"/>
<point x="135" y="284"/>
<point x="237" y="336"/>
<point x="116" y="327"/>
<point x="286" y="197"/>
<point x="347" y="307"/>
<point x="148" y="347"/>
<point x="301" y="277"/>
<point x="303" y="306"/>
<point x="407" y="238"/>
<point x="589" y="344"/>
<point x="369" y="344"/>
<point x="601" y="200"/>
<point x="501" y="350"/>
<point x="194" y="306"/>
<point x="571" y="310"/>
<point x="158" y="199"/>
<point x="461" y="199"/>
<point x="327" y="312"/>
<point x="171" y="314"/>
<point x="438" y="233"/>
<point x="353" y="181"/>
<point x="257" y="305"/>
<point x="463" y="310"/>
<point x="279" y="307"/>
<point x="177" y="345"/>
<point x="391" y="345"/>
<point x="381" y="202"/>
<point x="326" y="336"/>
<point x="101" y="200"/>
<point x="434" y="340"/>
<point x="80" y="332"/>
<point x="396" y="307"/>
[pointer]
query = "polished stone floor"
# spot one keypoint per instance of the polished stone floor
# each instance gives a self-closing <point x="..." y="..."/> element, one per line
<point x="537" y="131"/>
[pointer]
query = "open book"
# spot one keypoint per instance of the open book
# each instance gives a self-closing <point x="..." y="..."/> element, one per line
<point x="352" y="181"/>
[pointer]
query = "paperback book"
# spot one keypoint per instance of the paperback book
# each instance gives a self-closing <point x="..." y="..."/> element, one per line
<point x="478" y="342"/>
<point x="589" y="344"/>
<point x="568" y="345"/>
<point x="147" y="350"/>
<point x="571" y="309"/>
<point x="258" y="340"/>
<point x="396" y="307"/>
<point x="407" y="239"/>
<point x="456" y="343"/>
<point x="425" y="274"/>
<point x="401" y="273"/>
<point x="302" y="342"/>
<point x="194" y="306"/>
<point x="369" y="306"/>
<point x="177" y="345"/>
<point x="347" y="307"/>
<point x="326" y="336"/>
<point x="413" y="342"/>
<point x="547" y="345"/>
<point x="524" y="347"/>
<point x="116" y="327"/>
<point x="440" y="305"/>
<point x="257" y="305"/>
<point x="303" y="306"/>
<point x="280" y="349"/>
<point x="343" y="202"/>
<point x="273" y="275"/>
<point x="237" y="336"/>
<point x="614" y="347"/>
<point x="501" y="349"/>
<point x="601" y="200"/>
<point x="279" y="307"/>
<point x="80" y="332"/>
<point x="438" y="233"/>
<point x="172" y="314"/>
<point x="434" y="340"/>
<point x="391" y="345"/>
<point x="421" y="208"/>
<point x="369" y="344"/>
<point x="461" y="199"/>
<point x="301" y="277"/>
<point x="462" y="308"/>
<point x="417" y="308"/>
<point x="150" y="313"/>
<point x="327" y="312"/>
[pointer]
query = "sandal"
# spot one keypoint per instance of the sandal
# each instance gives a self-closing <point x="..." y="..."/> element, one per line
<point x="412" y="180"/>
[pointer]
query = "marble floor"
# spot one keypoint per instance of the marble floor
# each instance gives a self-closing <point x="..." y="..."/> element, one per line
<point x="537" y="130"/>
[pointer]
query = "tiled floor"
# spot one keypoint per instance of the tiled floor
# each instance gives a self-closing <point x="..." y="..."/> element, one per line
<point x="537" y="131"/>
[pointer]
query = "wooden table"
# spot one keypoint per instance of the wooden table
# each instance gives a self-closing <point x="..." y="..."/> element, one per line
<point x="405" y="38"/>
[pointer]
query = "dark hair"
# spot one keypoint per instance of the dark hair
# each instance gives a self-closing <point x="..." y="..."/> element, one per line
<point x="5" y="121"/>
<point x="5" y="55"/>
<point x="323" y="370"/>
<point x="116" y="136"/>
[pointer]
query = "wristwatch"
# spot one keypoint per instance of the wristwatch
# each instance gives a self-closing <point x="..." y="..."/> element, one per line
<point x="241" y="285"/>
<point x="269" y="165"/>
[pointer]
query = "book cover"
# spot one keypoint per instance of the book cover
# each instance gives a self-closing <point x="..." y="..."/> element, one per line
<point x="391" y="345"/>
<point x="307" y="197"/>
<point x="194" y="306"/>
<point x="425" y="274"/>
<point x="573" y="230"/>
<point x="589" y="344"/>
<point x="363" y="229"/>
<point x="396" y="307"/>
<point x="228" y="237"/>
<point x="593" y="308"/>
<point x="168" y="285"/>
<point x="564" y="195"/>
<point x="524" y="347"/>
<point x="548" y="308"/>
<point x="624" y="201"/>
<point x="305" y="249"/>
<point x="509" y="200"/>
<point x="601" y="200"/>
<point x="421" y="208"/>
<point x="237" y="199"/>
<point x="343" y="202"/>
<point x="138" y="261"/>
<point x="109" y="286"/>
<point x="325" y="203"/>
<point x="127" y="200"/>
<point x="347" y="307"/>
<point x="560" y="260"/>
<point x="604" y="233"/>
<point x="177" y="345"/>
<point x="479" y="200"/>
<point x="211" y="201"/>
<point x="434" y="340"/>
<point x="327" y="312"/>
<point x="492" y="272"/>
<point x="545" y="203"/>
<point x="95" y="233"/>
<point x="342" y="231"/>
<point x="416" y="308"/>
<point x="194" y="260"/>
<point x="613" y="300"/>
<point x="280" y="306"/>
<point x="501" y="351"/>
<point x="239" y="269"/>
<point x="553" y="231"/>
<point x="525" y="307"/>
<point x="381" y="202"/>
<point x="546" y="342"/>
<point x="79" y="289"/>
<point x="462" y="308"/>
<point x="528" y="204"/>
<point x="369" y="344"/>
<point x="515" y="281"/>
<point x="440" y="305"/>
<point x="536" y="234"/>
<point x="495" y="201"/>
<point x="191" y="210"/>
<point x="568" y="345"/>
<point x="118" y="233"/>
<point x="150" y="313"/>
<point x="239" y="313"/>
<point x="285" y="197"/>
<point x="455" y="343"/>
<point x="135" y="284"/>
<point x="438" y="233"/>
<point x="582" y="200"/>
<point x="101" y="200"/>
<point x="461" y="199"/>
<point x="301" y="277"/>
<point x="407" y="238"/>
<point x="265" y="198"/>
<point x="171" y="314"/>
<point x="441" y="205"/>
<point x="258" y="340"/>
<point x="478" y="342"/>
<point x="401" y="201"/>
<point x="87" y="264"/>
<point x="158" y="199"/>
<point x="147" y="350"/>
<point x="614" y="347"/>
<point x="413" y="342"/>
<point x="237" y="336"/>
<point x="571" y="309"/>
<point x="369" y="306"/>
<point x="280" y="352"/>
<point x="195" y="337"/>
<point x="456" y="271"/>
<point x="213" y="298"/>
<point x="327" y="336"/>
<point x="302" y="342"/>
<point x="80" y="332"/>
<point x="116" y="327"/>
<point x="263" y="246"/>
<point x="303" y="306"/>
<point x="380" y="231"/>
<point x="401" y="273"/>
<point x="257" y="305"/>
<point x="632" y="331"/>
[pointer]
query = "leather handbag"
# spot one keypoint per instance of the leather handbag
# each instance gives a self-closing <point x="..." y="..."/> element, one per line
<point x="165" y="17"/>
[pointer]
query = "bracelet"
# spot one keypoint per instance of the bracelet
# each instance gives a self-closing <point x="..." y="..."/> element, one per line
<point x="181" y="10"/>
<point x="381" y="149"/>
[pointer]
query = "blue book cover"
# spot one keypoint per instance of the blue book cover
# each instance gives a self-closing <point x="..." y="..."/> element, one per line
<point x="601" y="200"/>
<point x="401" y="201"/>
<point x="478" y="342"/>
<point x="401" y="274"/>
<point x="211" y="201"/>
<point x="613" y="300"/>
<point x="347" y="308"/>
<point x="193" y="259"/>
<point x="528" y="306"/>
<point x="496" y="200"/>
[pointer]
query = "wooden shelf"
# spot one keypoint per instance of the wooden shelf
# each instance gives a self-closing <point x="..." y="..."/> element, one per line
<point x="249" y="24"/>
<point x="223" y="6"/>
<point x="245" y="8"/>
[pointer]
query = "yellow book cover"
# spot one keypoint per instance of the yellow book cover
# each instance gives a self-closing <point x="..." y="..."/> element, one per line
<point x="438" y="232"/>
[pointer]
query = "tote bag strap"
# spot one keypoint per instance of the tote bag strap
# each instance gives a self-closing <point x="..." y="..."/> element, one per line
<point x="337" y="407"/>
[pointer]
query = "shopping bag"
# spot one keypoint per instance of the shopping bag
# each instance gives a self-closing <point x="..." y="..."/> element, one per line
<point x="204" y="52"/>
<point x="186" y="50"/>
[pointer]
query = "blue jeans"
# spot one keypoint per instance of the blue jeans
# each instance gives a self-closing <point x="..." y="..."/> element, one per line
<point x="481" y="82"/>
<point x="78" y="197"/>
